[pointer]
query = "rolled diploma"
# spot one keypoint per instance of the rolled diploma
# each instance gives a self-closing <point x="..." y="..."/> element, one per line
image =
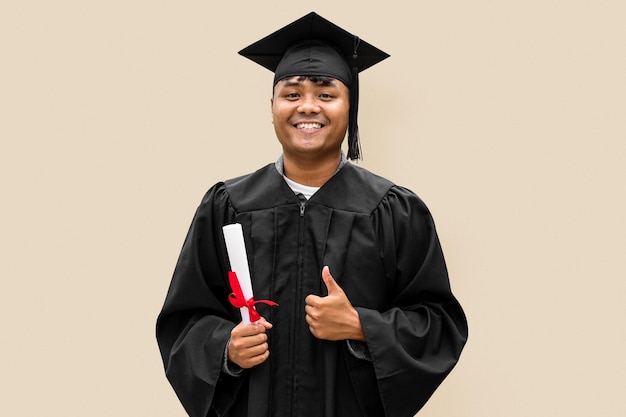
<point x="236" y="247"/>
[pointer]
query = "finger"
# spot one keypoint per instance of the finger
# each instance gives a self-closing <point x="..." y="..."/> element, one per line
<point x="245" y="342"/>
<point x="240" y="349"/>
<point x="309" y="320"/>
<point x="251" y="359"/>
<point x="329" y="281"/>
<point x="256" y="350"/>
<point x="312" y="300"/>
<point x="257" y="360"/>
<point x="266" y="324"/>
<point x="246" y="330"/>
<point x="311" y="312"/>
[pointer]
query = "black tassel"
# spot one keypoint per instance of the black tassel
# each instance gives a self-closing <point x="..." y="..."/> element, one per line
<point x="354" y="145"/>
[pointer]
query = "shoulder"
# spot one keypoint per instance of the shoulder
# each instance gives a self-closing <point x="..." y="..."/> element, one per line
<point x="225" y="199"/>
<point x="387" y="190"/>
<point x="357" y="189"/>
<point x="405" y="198"/>
<point x="367" y="179"/>
<point x="353" y="189"/>
<point x="246" y="182"/>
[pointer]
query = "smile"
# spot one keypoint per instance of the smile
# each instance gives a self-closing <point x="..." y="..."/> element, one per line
<point x="308" y="125"/>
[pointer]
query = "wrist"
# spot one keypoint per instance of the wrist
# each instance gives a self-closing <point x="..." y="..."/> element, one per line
<point x="357" y="329"/>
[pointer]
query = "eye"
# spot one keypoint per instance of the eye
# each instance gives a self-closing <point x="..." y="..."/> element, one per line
<point x="326" y="96"/>
<point x="292" y="96"/>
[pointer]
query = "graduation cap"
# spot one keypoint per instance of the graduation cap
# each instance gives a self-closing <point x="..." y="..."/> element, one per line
<point x="314" y="46"/>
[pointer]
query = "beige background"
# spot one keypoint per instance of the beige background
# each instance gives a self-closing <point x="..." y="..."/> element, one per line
<point x="506" y="117"/>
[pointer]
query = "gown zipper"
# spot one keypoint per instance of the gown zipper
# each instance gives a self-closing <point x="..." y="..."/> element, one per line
<point x="298" y="312"/>
<point x="302" y="199"/>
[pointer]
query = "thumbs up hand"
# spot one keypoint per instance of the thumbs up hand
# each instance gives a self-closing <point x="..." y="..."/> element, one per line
<point x="332" y="317"/>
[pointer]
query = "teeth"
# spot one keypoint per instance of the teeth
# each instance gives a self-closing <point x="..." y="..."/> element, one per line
<point x="309" y="125"/>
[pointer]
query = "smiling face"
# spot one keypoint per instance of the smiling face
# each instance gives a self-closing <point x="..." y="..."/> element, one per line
<point x="310" y="116"/>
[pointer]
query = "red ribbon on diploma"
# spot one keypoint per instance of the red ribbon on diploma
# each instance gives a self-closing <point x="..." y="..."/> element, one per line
<point x="238" y="300"/>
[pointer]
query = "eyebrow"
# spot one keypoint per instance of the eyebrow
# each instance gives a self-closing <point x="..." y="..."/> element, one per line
<point x="323" y="83"/>
<point x="291" y="83"/>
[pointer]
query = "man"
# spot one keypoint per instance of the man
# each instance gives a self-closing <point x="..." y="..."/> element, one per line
<point x="366" y="323"/>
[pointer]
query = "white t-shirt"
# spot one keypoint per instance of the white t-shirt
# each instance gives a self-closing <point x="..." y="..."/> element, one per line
<point x="301" y="189"/>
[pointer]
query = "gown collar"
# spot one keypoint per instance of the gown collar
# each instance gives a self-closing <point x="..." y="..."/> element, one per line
<point x="280" y="163"/>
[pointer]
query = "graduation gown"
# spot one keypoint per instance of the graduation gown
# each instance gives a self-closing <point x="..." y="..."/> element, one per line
<point x="380" y="243"/>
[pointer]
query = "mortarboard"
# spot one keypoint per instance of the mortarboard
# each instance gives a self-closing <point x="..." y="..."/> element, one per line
<point x="313" y="46"/>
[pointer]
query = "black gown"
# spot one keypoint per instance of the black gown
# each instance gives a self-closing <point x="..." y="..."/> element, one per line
<point x="380" y="243"/>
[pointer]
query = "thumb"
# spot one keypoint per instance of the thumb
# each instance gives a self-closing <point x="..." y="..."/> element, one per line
<point x="330" y="282"/>
<point x="265" y="323"/>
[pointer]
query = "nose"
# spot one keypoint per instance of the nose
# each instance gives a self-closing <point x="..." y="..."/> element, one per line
<point x="309" y="105"/>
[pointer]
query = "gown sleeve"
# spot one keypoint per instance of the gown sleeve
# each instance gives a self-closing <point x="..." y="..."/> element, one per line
<point x="416" y="342"/>
<point x="194" y="325"/>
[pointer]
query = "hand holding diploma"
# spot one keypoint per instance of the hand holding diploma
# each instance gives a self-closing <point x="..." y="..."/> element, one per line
<point x="248" y="344"/>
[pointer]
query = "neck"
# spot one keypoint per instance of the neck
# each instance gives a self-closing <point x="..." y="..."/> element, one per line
<point x="313" y="173"/>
